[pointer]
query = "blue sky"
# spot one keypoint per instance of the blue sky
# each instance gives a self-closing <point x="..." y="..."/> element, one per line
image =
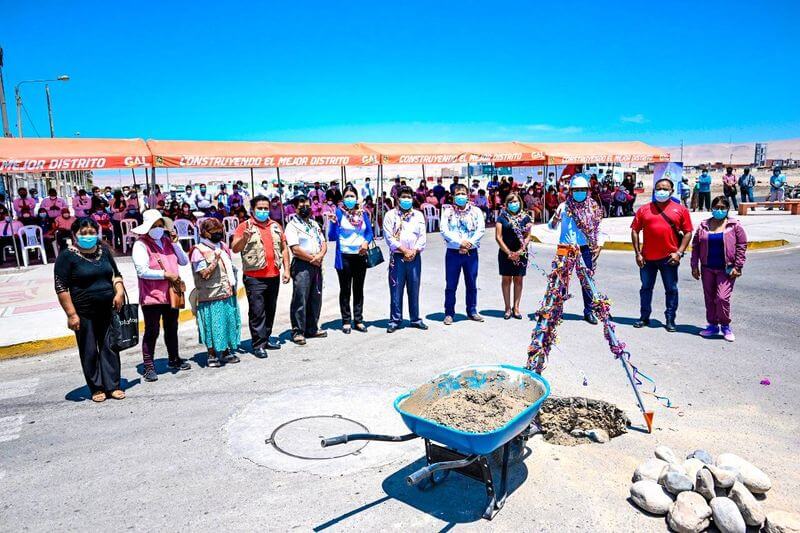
<point x="409" y="71"/>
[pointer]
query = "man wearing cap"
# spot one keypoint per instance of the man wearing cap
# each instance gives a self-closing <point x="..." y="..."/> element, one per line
<point x="157" y="258"/>
<point x="462" y="228"/>
<point x="667" y="230"/>
<point x="579" y="220"/>
<point x="265" y="263"/>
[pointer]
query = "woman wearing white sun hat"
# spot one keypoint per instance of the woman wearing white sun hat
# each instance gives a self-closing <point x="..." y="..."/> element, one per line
<point x="157" y="257"/>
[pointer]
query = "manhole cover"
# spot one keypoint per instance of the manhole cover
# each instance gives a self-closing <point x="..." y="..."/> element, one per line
<point x="300" y="438"/>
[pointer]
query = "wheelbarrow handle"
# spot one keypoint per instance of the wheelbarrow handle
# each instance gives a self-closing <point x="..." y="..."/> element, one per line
<point x="343" y="439"/>
<point x="427" y="471"/>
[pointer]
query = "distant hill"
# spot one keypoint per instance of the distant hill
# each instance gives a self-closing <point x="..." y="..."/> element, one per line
<point x="694" y="154"/>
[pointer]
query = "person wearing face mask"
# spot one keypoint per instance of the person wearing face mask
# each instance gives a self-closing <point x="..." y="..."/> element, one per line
<point x="351" y="229"/>
<point x="103" y="219"/>
<point x="133" y="210"/>
<point x="202" y="199"/>
<point x="81" y="204"/>
<point x="218" y="320"/>
<point x="747" y="183"/>
<point x="309" y="246"/>
<point x="776" y="183"/>
<point x="63" y="228"/>
<point x="22" y="201"/>
<point x="366" y="190"/>
<point x="53" y="204"/>
<point x="157" y="259"/>
<point x="667" y="230"/>
<point x="187" y="197"/>
<point x="8" y="230"/>
<point x="235" y="200"/>
<point x="579" y="221"/>
<point x="512" y="233"/>
<point x="185" y="213"/>
<point x="719" y="248"/>
<point x="704" y="190"/>
<point x="406" y="234"/>
<point x="462" y="227"/>
<point x="265" y="264"/>
<point x="89" y="286"/>
<point x="119" y="209"/>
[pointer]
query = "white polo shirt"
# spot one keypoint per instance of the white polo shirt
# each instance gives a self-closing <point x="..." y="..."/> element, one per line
<point x="305" y="234"/>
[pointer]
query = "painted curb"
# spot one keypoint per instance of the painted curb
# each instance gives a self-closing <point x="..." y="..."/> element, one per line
<point x="56" y="344"/>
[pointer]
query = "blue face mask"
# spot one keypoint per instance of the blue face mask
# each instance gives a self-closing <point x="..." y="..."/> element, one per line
<point x="460" y="200"/>
<point x="662" y="195"/>
<point x="579" y="196"/>
<point x="86" y="242"/>
<point x="513" y="207"/>
<point x="261" y="214"/>
<point x="406" y="203"/>
<point x="720" y="214"/>
<point x="349" y="202"/>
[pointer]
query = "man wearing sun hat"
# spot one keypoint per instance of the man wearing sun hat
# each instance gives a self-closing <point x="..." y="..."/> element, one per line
<point x="157" y="257"/>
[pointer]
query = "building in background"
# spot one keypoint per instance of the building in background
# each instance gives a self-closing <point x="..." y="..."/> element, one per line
<point x="761" y="155"/>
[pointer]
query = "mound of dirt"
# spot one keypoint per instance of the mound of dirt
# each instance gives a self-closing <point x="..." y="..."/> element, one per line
<point x="559" y="419"/>
<point x="476" y="410"/>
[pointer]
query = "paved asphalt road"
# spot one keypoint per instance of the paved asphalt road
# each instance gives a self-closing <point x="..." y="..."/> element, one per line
<point x="164" y="458"/>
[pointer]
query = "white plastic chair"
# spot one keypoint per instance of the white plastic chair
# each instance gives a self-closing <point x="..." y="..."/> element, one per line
<point x="431" y="216"/>
<point x="127" y="224"/>
<point x="31" y="238"/>
<point x="182" y="228"/>
<point x="230" y="224"/>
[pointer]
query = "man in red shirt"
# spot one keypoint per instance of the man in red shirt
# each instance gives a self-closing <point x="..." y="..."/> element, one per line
<point x="264" y="255"/>
<point x="667" y="229"/>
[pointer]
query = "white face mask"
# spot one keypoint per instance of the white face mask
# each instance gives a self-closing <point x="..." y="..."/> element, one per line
<point x="156" y="233"/>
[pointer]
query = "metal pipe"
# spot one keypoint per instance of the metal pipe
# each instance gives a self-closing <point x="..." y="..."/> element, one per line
<point x="427" y="471"/>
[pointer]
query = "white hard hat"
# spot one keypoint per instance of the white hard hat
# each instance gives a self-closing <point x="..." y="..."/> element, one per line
<point x="579" y="181"/>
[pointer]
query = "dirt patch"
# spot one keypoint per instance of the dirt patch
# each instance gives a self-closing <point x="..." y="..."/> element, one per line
<point x="476" y="410"/>
<point x="562" y="418"/>
<point x="473" y="401"/>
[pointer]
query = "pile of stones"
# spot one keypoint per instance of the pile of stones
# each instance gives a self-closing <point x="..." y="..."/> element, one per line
<point x="700" y="491"/>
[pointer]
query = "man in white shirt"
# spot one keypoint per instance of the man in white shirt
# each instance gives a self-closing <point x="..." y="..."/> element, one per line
<point x="406" y="236"/>
<point x="203" y="199"/>
<point x="462" y="227"/>
<point x="309" y="246"/>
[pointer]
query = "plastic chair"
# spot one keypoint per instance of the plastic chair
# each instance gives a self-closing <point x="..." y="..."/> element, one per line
<point x="31" y="238"/>
<point x="197" y="224"/>
<point x="127" y="224"/>
<point x="230" y="224"/>
<point x="431" y="216"/>
<point x="182" y="228"/>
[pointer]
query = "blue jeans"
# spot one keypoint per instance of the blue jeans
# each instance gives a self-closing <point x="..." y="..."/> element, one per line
<point x="404" y="275"/>
<point x="669" y="276"/>
<point x="747" y="194"/>
<point x="454" y="263"/>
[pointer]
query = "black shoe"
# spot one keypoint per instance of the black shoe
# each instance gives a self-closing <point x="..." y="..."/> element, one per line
<point x="360" y="327"/>
<point x="670" y="326"/>
<point x="391" y="328"/>
<point x="230" y="358"/>
<point x="179" y="364"/>
<point x="321" y="334"/>
<point x="419" y="325"/>
<point x="346" y="329"/>
<point x="150" y="374"/>
<point x="213" y="361"/>
<point x="590" y="318"/>
<point x="261" y="353"/>
<point x="272" y="345"/>
<point x="642" y="322"/>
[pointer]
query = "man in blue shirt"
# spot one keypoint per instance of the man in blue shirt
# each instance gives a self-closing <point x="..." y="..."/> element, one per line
<point x="776" y="183"/>
<point x="439" y="191"/>
<point x="704" y="190"/>
<point x="462" y="226"/>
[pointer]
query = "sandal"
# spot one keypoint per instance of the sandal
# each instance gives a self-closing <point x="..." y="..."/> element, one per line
<point x="346" y="329"/>
<point x="517" y="315"/>
<point x="507" y="315"/>
<point x="230" y="358"/>
<point x="360" y="327"/>
<point x="213" y="360"/>
<point x="118" y="394"/>
<point x="98" y="396"/>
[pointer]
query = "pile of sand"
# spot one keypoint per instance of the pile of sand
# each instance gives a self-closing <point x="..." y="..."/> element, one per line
<point x="476" y="410"/>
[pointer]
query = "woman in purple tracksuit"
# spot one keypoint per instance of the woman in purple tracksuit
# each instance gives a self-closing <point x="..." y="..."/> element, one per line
<point x="719" y="247"/>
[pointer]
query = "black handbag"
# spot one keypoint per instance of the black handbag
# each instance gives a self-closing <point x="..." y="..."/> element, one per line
<point x="374" y="256"/>
<point x="124" y="330"/>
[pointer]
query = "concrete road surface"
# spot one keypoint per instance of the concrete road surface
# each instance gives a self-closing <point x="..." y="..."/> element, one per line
<point x="188" y="452"/>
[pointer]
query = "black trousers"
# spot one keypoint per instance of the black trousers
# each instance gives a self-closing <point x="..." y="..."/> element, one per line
<point x="11" y="241"/>
<point x="99" y="360"/>
<point x="704" y="200"/>
<point x="154" y="315"/>
<point x="351" y="279"/>
<point x="262" y="297"/>
<point x="306" y="297"/>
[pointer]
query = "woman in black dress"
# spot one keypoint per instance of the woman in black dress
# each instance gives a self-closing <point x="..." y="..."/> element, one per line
<point x="89" y="286"/>
<point x="512" y="232"/>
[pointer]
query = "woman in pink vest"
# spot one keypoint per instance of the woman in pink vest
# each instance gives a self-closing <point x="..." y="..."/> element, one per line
<point x="157" y="258"/>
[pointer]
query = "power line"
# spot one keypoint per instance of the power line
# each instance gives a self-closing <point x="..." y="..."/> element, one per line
<point x="30" y="120"/>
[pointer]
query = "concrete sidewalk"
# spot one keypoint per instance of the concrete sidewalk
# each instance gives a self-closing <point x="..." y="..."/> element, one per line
<point x="32" y="322"/>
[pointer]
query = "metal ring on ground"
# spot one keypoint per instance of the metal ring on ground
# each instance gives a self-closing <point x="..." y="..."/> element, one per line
<point x="315" y="440"/>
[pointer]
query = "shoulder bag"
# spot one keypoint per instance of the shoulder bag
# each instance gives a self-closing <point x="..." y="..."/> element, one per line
<point x="176" y="291"/>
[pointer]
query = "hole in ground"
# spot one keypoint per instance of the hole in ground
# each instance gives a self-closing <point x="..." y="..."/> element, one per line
<point x="564" y="421"/>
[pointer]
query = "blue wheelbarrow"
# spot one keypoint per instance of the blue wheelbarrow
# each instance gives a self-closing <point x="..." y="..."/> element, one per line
<point x="448" y="449"/>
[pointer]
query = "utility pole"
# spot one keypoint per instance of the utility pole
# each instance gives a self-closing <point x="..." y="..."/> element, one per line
<point x="681" y="150"/>
<point x="3" y="113"/>
<point x="49" y="110"/>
